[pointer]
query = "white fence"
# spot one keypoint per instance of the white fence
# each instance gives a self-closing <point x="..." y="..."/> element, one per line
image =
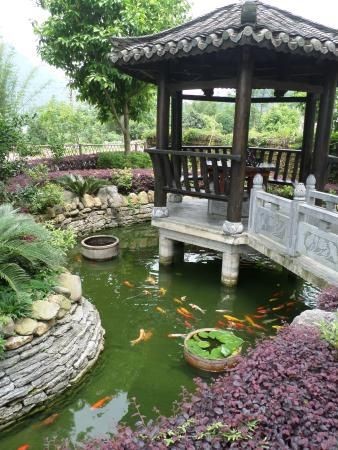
<point x="306" y="226"/>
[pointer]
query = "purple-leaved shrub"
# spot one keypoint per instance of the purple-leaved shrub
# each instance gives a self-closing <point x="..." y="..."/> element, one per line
<point x="328" y="299"/>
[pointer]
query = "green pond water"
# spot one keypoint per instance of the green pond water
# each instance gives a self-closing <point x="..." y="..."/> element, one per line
<point x="154" y="371"/>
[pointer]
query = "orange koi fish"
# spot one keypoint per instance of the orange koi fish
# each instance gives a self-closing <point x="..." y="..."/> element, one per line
<point x="128" y="284"/>
<point x="232" y="318"/>
<point x="220" y="323"/>
<point x="291" y="303"/>
<point x="184" y="298"/>
<point x="277" y="294"/>
<point x="185" y="313"/>
<point x="50" y="420"/>
<point x="259" y="316"/>
<point x="187" y="324"/>
<point x="77" y="258"/>
<point x="277" y="308"/>
<point x="143" y="336"/>
<point x="162" y="291"/>
<point x="101" y="403"/>
<point x="151" y="280"/>
<point x="177" y="300"/>
<point x="176" y="335"/>
<point x="262" y="310"/>
<point x="253" y="324"/>
<point x="161" y="310"/>
<point x="24" y="447"/>
<point x="273" y="299"/>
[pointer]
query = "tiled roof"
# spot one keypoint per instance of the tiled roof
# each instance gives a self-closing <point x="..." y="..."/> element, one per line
<point x="251" y="22"/>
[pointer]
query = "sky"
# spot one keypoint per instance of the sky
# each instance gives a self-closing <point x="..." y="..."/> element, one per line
<point x="17" y="15"/>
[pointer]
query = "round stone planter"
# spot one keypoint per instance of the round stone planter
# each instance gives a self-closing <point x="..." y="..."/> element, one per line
<point x="207" y="365"/>
<point x="100" y="247"/>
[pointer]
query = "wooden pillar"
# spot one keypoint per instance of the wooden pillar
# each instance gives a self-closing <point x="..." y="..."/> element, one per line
<point x="325" y="117"/>
<point x="240" y="137"/>
<point x="176" y="120"/>
<point x="308" y="136"/>
<point x="162" y="135"/>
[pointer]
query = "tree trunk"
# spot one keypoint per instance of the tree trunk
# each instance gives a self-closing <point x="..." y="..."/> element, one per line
<point x="126" y="129"/>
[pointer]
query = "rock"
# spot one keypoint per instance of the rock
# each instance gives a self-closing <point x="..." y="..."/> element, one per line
<point x="97" y="202"/>
<point x="50" y="213"/>
<point x="43" y="327"/>
<point x="60" y="300"/>
<point x="116" y="200"/>
<point x="313" y="317"/>
<point x="17" y="341"/>
<point x="68" y="196"/>
<point x="61" y="314"/>
<point x="59" y="218"/>
<point x="44" y="310"/>
<point x="73" y="284"/>
<point x="151" y="196"/>
<point x="68" y="207"/>
<point x="106" y="192"/>
<point x="133" y="198"/>
<point x="26" y="326"/>
<point x="62" y="290"/>
<point x="73" y="213"/>
<point x="7" y="327"/>
<point x="143" y="198"/>
<point x="88" y="201"/>
<point x="80" y="206"/>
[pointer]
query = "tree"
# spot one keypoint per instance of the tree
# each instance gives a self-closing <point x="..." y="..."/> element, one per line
<point x="76" y="38"/>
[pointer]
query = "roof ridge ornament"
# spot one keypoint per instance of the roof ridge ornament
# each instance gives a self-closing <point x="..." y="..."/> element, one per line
<point x="249" y="13"/>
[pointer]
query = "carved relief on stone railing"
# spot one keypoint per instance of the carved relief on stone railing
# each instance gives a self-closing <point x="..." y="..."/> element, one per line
<point x="271" y="223"/>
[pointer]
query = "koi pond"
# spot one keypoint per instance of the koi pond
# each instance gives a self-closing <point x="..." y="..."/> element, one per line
<point x="133" y="293"/>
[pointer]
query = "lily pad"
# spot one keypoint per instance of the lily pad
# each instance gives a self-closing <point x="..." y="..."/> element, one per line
<point x="203" y="344"/>
<point x="225" y="351"/>
<point x="203" y="334"/>
<point x="216" y="353"/>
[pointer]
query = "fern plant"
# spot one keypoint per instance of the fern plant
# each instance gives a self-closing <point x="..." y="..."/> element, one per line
<point x="80" y="186"/>
<point x="25" y="248"/>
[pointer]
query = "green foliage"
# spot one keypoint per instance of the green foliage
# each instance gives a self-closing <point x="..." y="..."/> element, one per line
<point x="195" y="136"/>
<point x="25" y="249"/>
<point x="61" y="122"/>
<point x="64" y="240"/>
<point x="38" y="174"/>
<point x="282" y="191"/>
<point x="329" y="331"/>
<point x="45" y="196"/>
<point x="15" y="305"/>
<point x="122" y="178"/>
<point x="77" y="40"/>
<point x="119" y="160"/>
<point x="2" y="346"/>
<point x="214" y="344"/>
<point x="80" y="186"/>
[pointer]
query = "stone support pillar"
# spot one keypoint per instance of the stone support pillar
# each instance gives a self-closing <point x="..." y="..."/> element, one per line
<point x="170" y="250"/>
<point x="230" y="265"/>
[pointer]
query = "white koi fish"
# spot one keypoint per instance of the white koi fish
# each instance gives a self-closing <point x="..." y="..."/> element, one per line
<point x="197" y="308"/>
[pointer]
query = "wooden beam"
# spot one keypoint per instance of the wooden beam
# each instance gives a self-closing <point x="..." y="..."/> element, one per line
<point x="240" y="136"/>
<point x="258" y="83"/>
<point x="162" y="134"/>
<point x="324" y="125"/>
<point x="202" y="98"/>
<point x="176" y="120"/>
<point x="308" y="136"/>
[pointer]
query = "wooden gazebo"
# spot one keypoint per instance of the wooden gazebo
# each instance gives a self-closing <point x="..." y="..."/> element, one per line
<point x="246" y="45"/>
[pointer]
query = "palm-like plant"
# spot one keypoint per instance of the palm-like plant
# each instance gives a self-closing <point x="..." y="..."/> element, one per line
<point x="24" y="248"/>
<point x="80" y="186"/>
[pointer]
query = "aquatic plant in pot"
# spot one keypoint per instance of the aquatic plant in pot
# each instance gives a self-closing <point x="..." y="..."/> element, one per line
<point x="100" y="247"/>
<point x="211" y="349"/>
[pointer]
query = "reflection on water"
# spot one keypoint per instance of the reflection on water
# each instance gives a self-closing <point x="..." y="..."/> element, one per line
<point x="154" y="371"/>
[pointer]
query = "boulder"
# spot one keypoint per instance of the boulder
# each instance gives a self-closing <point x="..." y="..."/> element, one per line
<point x="313" y="317"/>
<point x="44" y="310"/>
<point x="133" y="198"/>
<point x="61" y="314"/>
<point x="7" y="327"/>
<point x="116" y="200"/>
<point x="143" y="198"/>
<point x="60" y="300"/>
<point x="151" y="196"/>
<point x="42" y="328"/>
<point x="97" y="202"/>
<point x="88" y="201"/>
<point x="60" y="218"/>
<point x="68" y="196"/>
<point x="72" y="283"/>
<point x="106" y="192"/>
<point x="25" y="326"/>
<point x="62" y="290"/>
<point x="17" y="341"/>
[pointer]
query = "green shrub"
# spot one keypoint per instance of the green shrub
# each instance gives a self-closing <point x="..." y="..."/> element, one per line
<point x="119" y="160"/>
<point x="196" y="136"/>
<point x="122" y="178"/>
<point x="329" y="331"/>
<point x="2" y="346"/>
<point x="64" y="240"/>
<point x="25" y="249"/>
<point x="46" y="196"/>
<point x="15" y="305"/>
<point x="81" y="186"/>
<point x="38" y="173"/>
<point x="282" y="191"/>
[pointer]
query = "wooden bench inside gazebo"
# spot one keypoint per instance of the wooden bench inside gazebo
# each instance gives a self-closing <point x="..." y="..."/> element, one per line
<point x="243" y="46"/>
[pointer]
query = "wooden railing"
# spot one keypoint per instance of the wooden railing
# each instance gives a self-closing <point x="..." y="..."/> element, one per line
<point x="195" y="172"/>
